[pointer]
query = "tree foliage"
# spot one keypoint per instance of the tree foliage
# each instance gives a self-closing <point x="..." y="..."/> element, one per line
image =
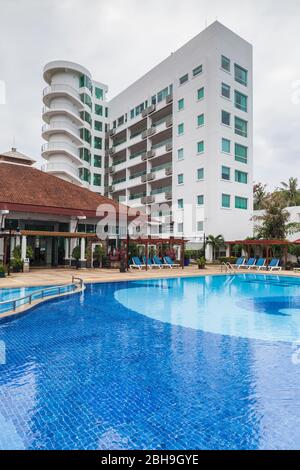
<point x="274" y="222"/>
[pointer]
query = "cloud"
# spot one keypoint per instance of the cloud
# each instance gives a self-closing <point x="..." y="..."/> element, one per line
<point x="120" y="40"/>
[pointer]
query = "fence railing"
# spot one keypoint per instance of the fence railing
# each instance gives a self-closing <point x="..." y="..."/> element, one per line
<point x="13" y="304"/>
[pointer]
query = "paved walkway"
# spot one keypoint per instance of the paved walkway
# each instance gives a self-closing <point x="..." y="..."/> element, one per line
<point x="44" y="277"/>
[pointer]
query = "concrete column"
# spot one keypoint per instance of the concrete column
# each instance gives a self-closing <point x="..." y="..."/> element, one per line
<point x="23" y="247"/>
<point x="67" y="251"/>
<point x="82" y="250"/>
<point x="82" y="260"/>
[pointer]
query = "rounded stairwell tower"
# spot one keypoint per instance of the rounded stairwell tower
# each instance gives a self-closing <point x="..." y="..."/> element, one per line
<point x="68" y="115"/>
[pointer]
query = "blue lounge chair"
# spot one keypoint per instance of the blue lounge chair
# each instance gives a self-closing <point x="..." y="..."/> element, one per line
<point x="151" y="264"/>
<point x="158" y="262"/>
<point x="250" y="263"/>
<point x="136" y="263"/>
<point x="170" y="262"/>
<point x="261" y="264"/>
<point x="239" y="262"/>
<point x="274" y="265"/>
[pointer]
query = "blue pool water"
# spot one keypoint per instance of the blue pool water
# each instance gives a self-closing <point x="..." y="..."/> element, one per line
<point x="143" y="364"/>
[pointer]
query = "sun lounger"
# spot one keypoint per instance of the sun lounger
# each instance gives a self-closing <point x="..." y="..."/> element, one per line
<point x="136" y="263"/>
<point x="250" y="263"/>
<point x="261" y="264"/>
<point x="274" y="265"/>
<point x="170" y="262"/>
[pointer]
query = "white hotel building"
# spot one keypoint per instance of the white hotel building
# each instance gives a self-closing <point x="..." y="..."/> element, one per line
<point x="180" y="136"/>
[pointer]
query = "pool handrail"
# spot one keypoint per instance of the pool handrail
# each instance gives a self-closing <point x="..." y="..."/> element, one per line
<point x="41" y="292"/>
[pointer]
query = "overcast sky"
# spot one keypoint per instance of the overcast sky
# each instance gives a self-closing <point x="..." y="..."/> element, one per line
<point x="120" y="40"/>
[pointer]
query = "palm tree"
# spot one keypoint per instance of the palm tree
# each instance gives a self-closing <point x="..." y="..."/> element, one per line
<point x="216" y="243"/>
<point x="291" y="191"/>
<point x="259" y="195"/>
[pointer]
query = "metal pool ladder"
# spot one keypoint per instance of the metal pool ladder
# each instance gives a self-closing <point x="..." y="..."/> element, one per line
<point x="227" y="267"/>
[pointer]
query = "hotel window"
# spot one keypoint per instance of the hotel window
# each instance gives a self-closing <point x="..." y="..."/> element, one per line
<point x="132" y="114"/>
<point x="180" y="178"/>
<point x="200" y="93"/>
<point x="200" y="226"/>
<point x="197" y="70"/>
<point x="200" y="146"/>
<point x="180" y="203"/>
<point x="85" y="116"/>
<point x="240" y="75"/>
<point x="181" y="104"/>
<point x="85" y="154"/>
<point x="98" y="143"/>
<point x="98" y="126"/>
<point x="98" y="109"/>
<point x="241" y="177"/>
<point x="226" y="200"/>
<point x="180" y="128"/>
<point x="85" y="135"/>
<point x="161" y="95"/>
<point x="226" y="144"/>
<point x="241" y="101"/>
<point x="241" y="127"/>
<point x="225" y="63"/>
<point x="225" y="118"/>
<point x="241" y="153"/>
<point x="180" y="154"/>
<point x="225" y="173"/>
<point x="99" y="93"/>
<point x="200" y="200"/>
<point x="86" y="99"/>
<point x="180" y="227"/>
<point x="200" y="174"/>
<point x="200" y="120"/>
<point x="241" y="202"/>
<point x="225" y="90"/>
<point x="106" y="112"/>
<point x="97" y="161"/>
<point x="184" y="79"/>
<point x="97" y="180"/>
<point x="85" y="175"/>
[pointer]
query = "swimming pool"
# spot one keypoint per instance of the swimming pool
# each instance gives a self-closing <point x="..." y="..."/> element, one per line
<point x="141" y="365"/>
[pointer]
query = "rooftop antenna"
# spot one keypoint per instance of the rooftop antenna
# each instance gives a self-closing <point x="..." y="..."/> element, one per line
<point x="205" y="22"/>
<point x="14" y="144"/>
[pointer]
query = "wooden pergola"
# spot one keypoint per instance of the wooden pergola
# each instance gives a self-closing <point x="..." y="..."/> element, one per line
<point x="157" y="242"/>
<point x="264" y="244"/>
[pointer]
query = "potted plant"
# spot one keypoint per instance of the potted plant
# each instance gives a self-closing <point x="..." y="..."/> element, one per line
<point x="76" y="255"/>
<point x="2" y="271"/>
<point x="201" y="262"/>
<point x="98" y="256"/>
<point x="16" y="264"/>
<point x="187" y="258"/>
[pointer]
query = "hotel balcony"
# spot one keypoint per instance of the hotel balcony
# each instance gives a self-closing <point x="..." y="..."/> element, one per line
<point x="62" y="127"/>
<point x="58" y="91"/>
<point x="63" y="110"/>
<point x="162" y="190"/>
<point x="61" y="147"/>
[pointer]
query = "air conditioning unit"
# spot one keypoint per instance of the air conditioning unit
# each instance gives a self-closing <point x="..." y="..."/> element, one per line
<point x="169" y="147"/>
<point x="169" y="98"/>
<point x="151" y="131"/>
<point x="150" y="153"/>
<point x="168" y="196"/>
<point x="151" y="108"/>
<point x="112" y="132"/>
<point x="151" y="176"/>
<point x="168" y="171"/>
<point x="111" y="169"/>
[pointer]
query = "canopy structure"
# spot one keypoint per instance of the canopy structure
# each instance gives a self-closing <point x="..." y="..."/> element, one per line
<point x="150" y="241"/>
<point x="264" y="244"/>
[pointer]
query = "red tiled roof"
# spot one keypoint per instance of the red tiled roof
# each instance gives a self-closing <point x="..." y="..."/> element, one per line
<point x="24" y="188"/>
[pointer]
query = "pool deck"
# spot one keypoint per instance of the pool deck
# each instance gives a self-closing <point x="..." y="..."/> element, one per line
<point x="45" y="277"/>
